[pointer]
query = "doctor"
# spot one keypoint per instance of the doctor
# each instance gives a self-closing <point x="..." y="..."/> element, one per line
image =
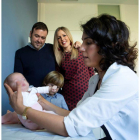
<point x="111" y="101"/>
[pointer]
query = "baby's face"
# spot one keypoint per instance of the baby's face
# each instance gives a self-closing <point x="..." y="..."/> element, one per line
<point x="52" y="93"/>
<point x="20" y="78"/>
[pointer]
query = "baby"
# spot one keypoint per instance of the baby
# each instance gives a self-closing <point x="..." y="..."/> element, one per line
<point x="55" y="78"/>
<point x="30" y="98"/>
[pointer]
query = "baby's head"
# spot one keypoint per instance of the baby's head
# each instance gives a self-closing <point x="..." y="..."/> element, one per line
<point x="13" y="78"/>
<point x="54" y="78"/>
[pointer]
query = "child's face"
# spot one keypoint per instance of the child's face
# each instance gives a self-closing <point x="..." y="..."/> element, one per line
<point x="52" y="93"/>
<point x="24" y="84"/>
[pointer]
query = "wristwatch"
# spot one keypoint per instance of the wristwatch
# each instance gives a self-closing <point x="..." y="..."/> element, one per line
<point x="24" y="115"/>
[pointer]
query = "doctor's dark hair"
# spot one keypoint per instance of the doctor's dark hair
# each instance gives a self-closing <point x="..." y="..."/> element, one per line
<point x="40" y="25"/>
<point x="112" y="38"/>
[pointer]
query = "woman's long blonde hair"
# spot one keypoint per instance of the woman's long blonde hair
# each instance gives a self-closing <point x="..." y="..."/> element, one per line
<point x="58" y="50"/>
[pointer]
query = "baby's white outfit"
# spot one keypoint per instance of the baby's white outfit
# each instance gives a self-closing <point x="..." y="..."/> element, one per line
<point x="30" y="99"/>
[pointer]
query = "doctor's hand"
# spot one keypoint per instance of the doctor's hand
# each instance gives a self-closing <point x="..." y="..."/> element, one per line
<point x="46" y="105"/>
<point x="40" y="98"/>
<point x="16" y="99"/>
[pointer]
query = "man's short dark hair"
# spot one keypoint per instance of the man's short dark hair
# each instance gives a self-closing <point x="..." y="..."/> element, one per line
<point x="40" y="25"/>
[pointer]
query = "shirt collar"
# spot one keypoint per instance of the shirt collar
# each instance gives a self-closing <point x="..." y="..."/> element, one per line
<point x="29" y="44"/>
<point x="54" y="96"/>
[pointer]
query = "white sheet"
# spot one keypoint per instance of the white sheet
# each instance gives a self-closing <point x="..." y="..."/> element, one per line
<point x="18" y="132"/>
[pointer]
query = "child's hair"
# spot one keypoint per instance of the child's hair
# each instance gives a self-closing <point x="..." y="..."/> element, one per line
<point x="55" y="78"/>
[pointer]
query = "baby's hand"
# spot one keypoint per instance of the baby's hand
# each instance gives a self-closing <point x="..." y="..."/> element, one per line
<point x="54" y="88"/>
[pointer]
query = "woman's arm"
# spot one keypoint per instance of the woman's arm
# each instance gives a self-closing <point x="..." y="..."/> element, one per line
<point x="49" y="106"/>
<point x="51" y="122"/>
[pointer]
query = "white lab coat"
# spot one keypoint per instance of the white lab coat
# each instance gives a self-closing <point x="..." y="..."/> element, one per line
<point x="115" y="105"/>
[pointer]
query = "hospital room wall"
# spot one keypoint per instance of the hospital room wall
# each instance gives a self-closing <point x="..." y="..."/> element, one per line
<point x="71" y="15"/>
<point x="129" y="14"/>
<point x="18" y="16"/>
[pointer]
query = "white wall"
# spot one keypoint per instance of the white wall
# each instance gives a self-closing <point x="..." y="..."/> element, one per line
<point x="68" y="15"/>
<point x="129" y="14"/>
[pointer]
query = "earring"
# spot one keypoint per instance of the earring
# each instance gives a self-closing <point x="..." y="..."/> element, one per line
<point x="59" y="49"/>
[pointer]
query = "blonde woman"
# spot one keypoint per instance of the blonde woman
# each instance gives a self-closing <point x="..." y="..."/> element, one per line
<point x="71" y="65"/>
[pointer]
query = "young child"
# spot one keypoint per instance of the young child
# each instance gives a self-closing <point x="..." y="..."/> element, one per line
<point x="30" y="98"/>
<point x="51" y="79"/>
